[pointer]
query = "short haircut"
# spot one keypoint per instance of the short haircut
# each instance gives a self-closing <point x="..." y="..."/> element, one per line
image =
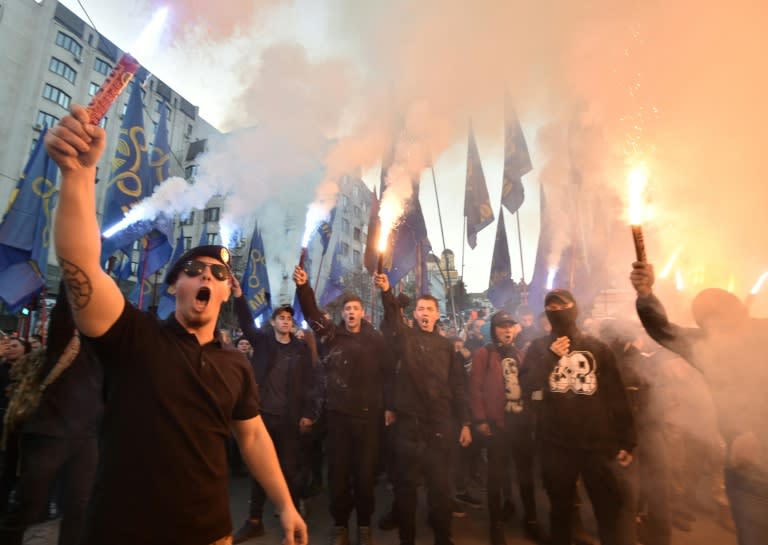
<point x="350" y="298"/>
<point x="281" y="309"/>
<point x="428" y="297"/>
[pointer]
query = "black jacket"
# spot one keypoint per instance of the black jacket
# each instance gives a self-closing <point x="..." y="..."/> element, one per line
<point x="733" y="364"/>
<point x="302" y="393"/>
<point x="357" y="370"/>
<point x="431" y="381"/>
<point x="584" y="403"/>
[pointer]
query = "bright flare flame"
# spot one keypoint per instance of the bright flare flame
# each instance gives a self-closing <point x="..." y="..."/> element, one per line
<point x="759" y="284"/>
<point x="551" y="273"/>
<point x="316" y="215"/>
<point x="390" y="211"/>
<point x="148" y="40"/>
<point x="670" y="263"/>
<point x="637" y="180"/>
<point x="679" y="284"/>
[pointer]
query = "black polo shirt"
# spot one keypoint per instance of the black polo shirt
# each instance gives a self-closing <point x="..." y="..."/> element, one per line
<point x="162" y="475"/>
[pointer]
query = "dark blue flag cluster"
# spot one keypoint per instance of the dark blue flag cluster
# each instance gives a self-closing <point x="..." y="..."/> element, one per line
<point x="25" y="230"/>
<point x="477" y="204"/>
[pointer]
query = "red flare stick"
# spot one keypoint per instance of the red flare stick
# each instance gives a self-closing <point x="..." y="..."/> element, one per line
<point x="637" y="236"/>
<point x="302" y="258"/>
<point x="113" y="86"/>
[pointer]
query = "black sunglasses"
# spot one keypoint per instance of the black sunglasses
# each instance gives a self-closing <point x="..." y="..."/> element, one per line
<point x="194" y="268"/>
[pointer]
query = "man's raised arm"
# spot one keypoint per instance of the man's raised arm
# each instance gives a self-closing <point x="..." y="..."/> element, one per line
<point x="76" y="146"/>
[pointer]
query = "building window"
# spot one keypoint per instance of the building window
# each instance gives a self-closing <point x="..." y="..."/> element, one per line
<point x="54" y="94"/>
<point x="356" y="211"/>
<point x="103" y="122"/>
<point x="102" y="67"/>
<point x="344" y="248"/>
<point x="355" y="191"/>
<point x="159" y="105"/>
<point x="190" y="172"/>
<point x="44" y="118"/>
<point x="344" y="201"/>
<point x="356" y="257"/>
<point x="187" y="243"/>
<point x="189" y="220"/>
<point x="211" y="214"/>
<point x="61" y="68"/>
<point x="356" y="233"/>
<point x="69" y="43"/>
<point x="93" y="88"/>
<point x="212" y="237"/>
<point x="345" y="226"/>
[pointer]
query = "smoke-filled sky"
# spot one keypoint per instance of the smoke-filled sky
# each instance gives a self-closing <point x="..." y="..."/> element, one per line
<point x="597" y="85"/>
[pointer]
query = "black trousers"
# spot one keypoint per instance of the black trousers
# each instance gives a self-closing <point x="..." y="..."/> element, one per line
<point x="423" y="453"/>
<point x="285" y="436"/>
<point x="353" y="449"/>
<point x="561" y="468"/>
<point x="42" y="460"/>
<point x="515" y="440"/>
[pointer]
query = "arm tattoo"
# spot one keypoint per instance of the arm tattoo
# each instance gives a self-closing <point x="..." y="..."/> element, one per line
<point x="79" y="287"/>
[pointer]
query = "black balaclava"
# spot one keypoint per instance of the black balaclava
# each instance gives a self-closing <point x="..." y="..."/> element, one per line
<point x="563" y="321"/>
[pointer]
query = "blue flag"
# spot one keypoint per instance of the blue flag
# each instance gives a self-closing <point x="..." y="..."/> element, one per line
<point x="517" y="163"/>
<point x="477" y="204"/>
<point x="255" y="282"/>
<point x="25" y="230"/>
<point x="411" y="232"/>
<point x="130" y="179"/>
<point x="326" y="230"/>
<point x="153" y="256"/>
<point x="204" y="235"/>
<point x="167" y="302"/>
<point x="501" y="287"/>
<point x="334" y="287"/>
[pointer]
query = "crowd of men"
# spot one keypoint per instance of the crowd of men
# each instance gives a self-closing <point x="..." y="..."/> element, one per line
<point x="137" y="417"/>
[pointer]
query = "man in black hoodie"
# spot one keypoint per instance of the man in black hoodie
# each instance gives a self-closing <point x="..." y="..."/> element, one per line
<point x="283" y="370"/>
<point x="429" y="398"/>
<point x="585" y="423"/>
<point x="356" y="374"/>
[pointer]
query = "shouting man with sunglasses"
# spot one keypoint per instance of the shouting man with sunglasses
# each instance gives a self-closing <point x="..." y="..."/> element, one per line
<point x="175" y="391"/>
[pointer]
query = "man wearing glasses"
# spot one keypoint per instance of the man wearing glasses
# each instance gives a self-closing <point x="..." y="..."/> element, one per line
<point x="174" y="390"/>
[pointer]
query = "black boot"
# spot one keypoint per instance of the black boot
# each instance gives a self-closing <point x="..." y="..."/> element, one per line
<point x="250" y="528"/>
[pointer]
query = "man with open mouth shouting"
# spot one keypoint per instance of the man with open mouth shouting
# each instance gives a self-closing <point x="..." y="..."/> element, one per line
<point x="175" y="391"/>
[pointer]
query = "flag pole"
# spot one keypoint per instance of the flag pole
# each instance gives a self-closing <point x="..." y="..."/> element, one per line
<point x="446" y="277"/>
<point x="520" y="244"/>
<point x="140" y="274"/>
<point x="319" y="268"/>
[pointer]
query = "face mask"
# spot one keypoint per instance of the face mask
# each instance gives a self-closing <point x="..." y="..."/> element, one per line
<point x="563" y="321"/>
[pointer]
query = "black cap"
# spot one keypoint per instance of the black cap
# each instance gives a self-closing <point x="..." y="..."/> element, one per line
<point x="501" y="318"/>
<point x="213" y="250"/>
<point x="563" y="297"/>
<point x="282" y="308"/>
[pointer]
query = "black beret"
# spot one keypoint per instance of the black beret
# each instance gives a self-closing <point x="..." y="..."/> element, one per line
<point x="215" y="251"/>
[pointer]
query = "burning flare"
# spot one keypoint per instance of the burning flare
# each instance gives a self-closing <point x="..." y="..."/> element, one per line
<point x="759" y="284"/>
<point x="637" y="180"/>
<point x="551" y="274"/>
